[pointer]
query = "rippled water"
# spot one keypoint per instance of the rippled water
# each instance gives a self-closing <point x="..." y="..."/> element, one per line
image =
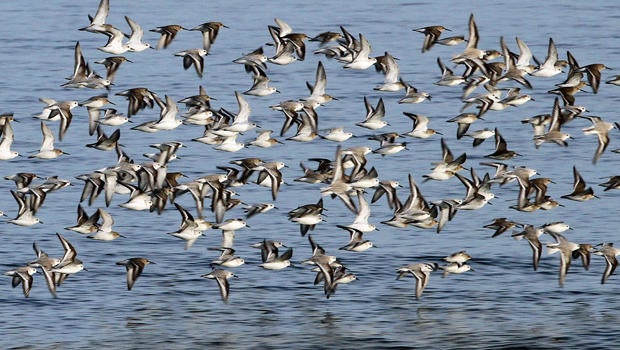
<point x="502" y="304"/>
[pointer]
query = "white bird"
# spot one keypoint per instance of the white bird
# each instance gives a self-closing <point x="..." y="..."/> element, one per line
<point x="374" y="116"/>
<point x="264" y="139"/>
<point x="8" y="136"/>
<point x="260" y="86"/>
<point x="550" y="67"/>
<point x="421" y="272"/>
<point x="134" y="43"/>
<point x="47" y="150"/>
<point x="97" y="22"/>
<point x="361" y="59"/>
<point x="337" y="134"/>
<point x="420" y="126"/>
<point x="115" y="44"/>
<point x="104" y="231"/>
<point x="356" y="240"/>
<point x="241" y="120"/>
<point x="167" y="116"/>
<point x="392" y="80"/>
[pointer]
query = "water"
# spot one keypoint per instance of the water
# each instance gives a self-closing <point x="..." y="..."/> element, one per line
<point x="502" y="304"/>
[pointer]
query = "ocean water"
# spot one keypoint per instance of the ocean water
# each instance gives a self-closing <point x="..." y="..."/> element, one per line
<point x="503" y="303"/>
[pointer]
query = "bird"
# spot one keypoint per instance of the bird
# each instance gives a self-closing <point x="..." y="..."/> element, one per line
<point x="431" y="35"/>
<point x="69" y="263"/>
<point x="85" y="224"/>
<point x="8" y="136"/>
<point x="580" y="192"/>
<point x="139" y="98"/>
<point x="374" y="115"/>
<point x="421" y="272"/>
<point x="278" y="262"/>
<point x="168" y="33"/>
<point x="420" y="126"/>
<point x="412" y="95"/>
<point x="454" y="267"/>
<point x="609" y="252"/>
<point x="22" y="275"/>
<point x="193" y="57"/>
<point x="100" y="17"/>
<point x="501" y="225"/>
<point x="190" y="228"/>
<point x="134" y="267"/>
<point x="115" y="44"/>
<point x="551" y="66"/>
<point x="601" y="129"/>
<point x="221" y="277"/>
<point x="532" y="234"/>
<point x="209" y="32"/>
<point x="27" y="208"/>
<point x="227" y="258"/>
<point x="112" y="64"/>
<point x="566" y="249"/>
<point x="356" y="240"/>
<point x="104" y="230"/>
<point x="392" y="81"/>
<point x="448" y="78"/>
<point x="134" y="43"/>
<point x="318" y="96"/>
<point x="361" y="57"/>
<point x="501" y="148"/>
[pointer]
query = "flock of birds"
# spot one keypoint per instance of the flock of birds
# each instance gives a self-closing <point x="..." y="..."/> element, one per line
<point x="348" y="176"/>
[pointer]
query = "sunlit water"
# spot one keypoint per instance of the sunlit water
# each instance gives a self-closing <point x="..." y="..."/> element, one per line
<point x="502" y="304"/>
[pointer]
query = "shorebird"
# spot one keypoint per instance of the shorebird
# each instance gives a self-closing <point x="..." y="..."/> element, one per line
<point x="392" y="81"/>
<point x="209" y="32"/>
<point x="28" y="204"/>
<point x="227" y="258"/>
<point x="454" y="267"/>
<point x="134" y="267"/>
<point x="532" y="234"/>
<point x="22" y="275"/>
<point x="580" y="192"/>
<point x="8" y="136"/>
<point x="421" y="272"/>
<point x="566" y="249"/>
<point x="412" y="95"/>
<point x="501" y="148"/>
<point x="139" y="98"/>
<point x="318" y="96"/>
<point x="356" y="240"/>
<point x="307" y="216"/>
<point x="69" y="263"/>
<point x="501" y="225"/>
<point x="374" y="115"/>
<point x="100" y="17"/>
<point x="361" y="57"/>
<point x="193" y="57"/>
<point x="134" y="43"/>
<point x="551" y="66"/>
<point x="85" y="224"/>
<point x="168" y="33"/>
<point x="104" y="230"/>
<point x="221" y="277"/>
<point x="112" y="64"/>
<point x="448" y="78"/>
<point x="609" y="252"/>
<point x="431" y="35"/>
<point x="601" y="129"/>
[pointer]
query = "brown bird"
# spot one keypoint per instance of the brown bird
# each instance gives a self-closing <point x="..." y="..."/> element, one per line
<point x="134" y="268"/>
